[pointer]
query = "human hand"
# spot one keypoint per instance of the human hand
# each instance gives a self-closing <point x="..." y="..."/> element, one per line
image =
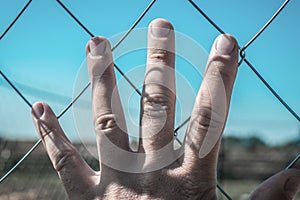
<point x="192" y="172"/>
<point x="282" y="186"/>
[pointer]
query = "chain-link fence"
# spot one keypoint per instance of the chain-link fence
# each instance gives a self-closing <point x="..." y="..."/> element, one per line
<point x="228" y="160"/>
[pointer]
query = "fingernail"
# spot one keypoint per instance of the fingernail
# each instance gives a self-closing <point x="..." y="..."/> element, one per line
<point x="225" y="45"/>
<point x="292" y="186"/>
<point x="160" y="28"/>
<point x="97" y="46"/>
<point x="38" y="110"/>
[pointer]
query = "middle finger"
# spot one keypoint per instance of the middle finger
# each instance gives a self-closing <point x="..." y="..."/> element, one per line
<point x="158" y="98"/>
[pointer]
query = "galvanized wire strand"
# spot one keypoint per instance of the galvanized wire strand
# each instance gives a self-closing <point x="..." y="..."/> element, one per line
<point x="40" y="140"/>
<point x="293" y="162"/>
<point x="16" y="19"/>
<point x="266" y="25"/>
<point x="243" y="58"/>
<point x="74" y="100"/>
<point x="123" y="37"/>
<point x="128" y="80"/>
<point x="15" y="89"/>
<point x="134" y="25"/>
<point x="34" y="146"/>
<point x="181" y="125"/>
<point x="242" y="53"/>
<point x="224" y="192"/>
<point x="273" y="91"/>
<point x="75" y="18"/>
<point x="206" y="16"/>
<point x="21" y="160"/>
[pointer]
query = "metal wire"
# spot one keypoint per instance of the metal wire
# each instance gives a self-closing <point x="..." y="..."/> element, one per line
<point x="224" y="192"/>
<point x="266" y="25"/>
<point x="15" y="89"/>
<point x="21" y="160"/>
<point x="206" y="16"/>
<point x="75" y="18"/>
<point x="243" y="59"/>
<point x="293" y="162"/>
<point x="272" y="90"/>
<point x="13" y="22"/>
<point x="74" y="100"/>
<point x="242" y="52"/>
<point x="134" y="25"/>
<point x="34" y="146"/>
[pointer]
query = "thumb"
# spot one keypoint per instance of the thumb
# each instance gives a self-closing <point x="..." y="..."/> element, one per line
<point x="281" y="186"/>
<point x="73" y="171"/>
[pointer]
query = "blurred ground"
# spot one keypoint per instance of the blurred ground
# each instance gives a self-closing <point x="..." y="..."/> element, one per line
<point x="243" y="165"/>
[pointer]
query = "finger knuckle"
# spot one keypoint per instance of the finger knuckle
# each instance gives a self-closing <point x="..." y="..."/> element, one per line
<point x="105" y="122"/>
<point x="203" y="119"/>
<point x="156" y="105"/>
<point x="208" y="119"/>
<point x="63" y="158"/>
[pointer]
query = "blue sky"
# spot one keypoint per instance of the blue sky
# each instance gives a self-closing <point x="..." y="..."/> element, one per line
<point x="44" y="50"/>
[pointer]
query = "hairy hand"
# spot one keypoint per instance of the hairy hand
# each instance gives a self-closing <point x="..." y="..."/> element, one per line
<point x="189" y="173"/>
